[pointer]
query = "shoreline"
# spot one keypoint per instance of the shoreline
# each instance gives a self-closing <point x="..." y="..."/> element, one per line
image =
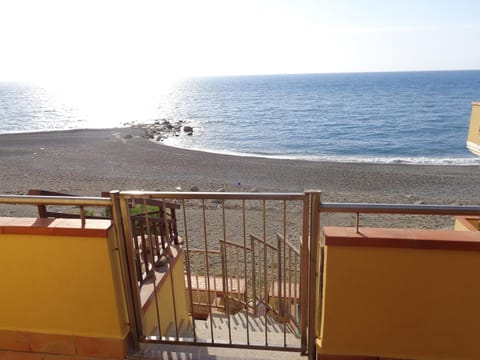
<point x="86" y="162"/>
<point x="164" y="134"/>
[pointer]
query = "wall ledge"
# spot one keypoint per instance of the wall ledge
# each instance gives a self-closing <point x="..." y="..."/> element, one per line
<point x="402" y="238"/>
<point x="30" y="345"/>
<point x="54" y="226"/>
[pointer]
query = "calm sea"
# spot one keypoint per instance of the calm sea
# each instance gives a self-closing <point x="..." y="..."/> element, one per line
<point x="405" y="117"/>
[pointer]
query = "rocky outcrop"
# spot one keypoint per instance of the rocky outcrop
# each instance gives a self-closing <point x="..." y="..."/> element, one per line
<point x="162" y="128"/>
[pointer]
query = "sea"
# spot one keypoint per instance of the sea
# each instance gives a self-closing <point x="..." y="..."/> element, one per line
<point x="395" y="117"/>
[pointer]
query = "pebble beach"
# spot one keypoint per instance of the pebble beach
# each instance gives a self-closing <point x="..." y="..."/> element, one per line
<point x="87" y="162"/>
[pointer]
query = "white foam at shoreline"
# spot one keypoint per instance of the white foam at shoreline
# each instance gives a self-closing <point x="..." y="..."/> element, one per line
<point x="467" y="161"/>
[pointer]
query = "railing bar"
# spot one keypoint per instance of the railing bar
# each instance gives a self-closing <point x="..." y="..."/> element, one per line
<point x="239" y="246"/>
<point x="136" y="245"/>
<point x="237" y="270"/>
<point x="132" y="259"/>
<point x="315" y="275"/>
<point x="215" y="282"/>
<point x="412" y="209"/>
<point x="211" y="195"/>
<point x="296" y="280"/>
<point x="304" y="274"/>
<point x="56" y="200"/>
<point x="187" y="263"/>
<point x="154" y="276"/>
<point x="205" y="236"/>
<point x="289" y="276"/>
<point x="166" y="226"/>
<point x="155" y="236"/>
<point x="272" y="272"/>
<point x="82" y="215"/>
<point x="225" y="275"/>
<point x="170" y="263"/>
<point x="203" y="250"/>
<point x="292" y="247"/>
<point x="267" y="244"/>
<point x="244" y="229"/>
<point x="265" y="269"/>
<point x="254" y="276"/>
<point x="195" y="265"/>
<point x="284" y="266"/>
<point x="260" y="267"/>
<point x="144" y="253"/>
<point x="229" y="256"/>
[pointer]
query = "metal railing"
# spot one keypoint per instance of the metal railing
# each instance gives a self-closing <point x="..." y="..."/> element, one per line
<point x="227" y="278"/>
<point x="277" y="272"/>
<point x="41" y="201"/>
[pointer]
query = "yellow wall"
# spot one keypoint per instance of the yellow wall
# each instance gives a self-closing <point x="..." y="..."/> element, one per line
<point x="61" y="285"/>
<point x="473" y="140"/>
<point x="406" y="303"/>
<point x="165" y="303"/>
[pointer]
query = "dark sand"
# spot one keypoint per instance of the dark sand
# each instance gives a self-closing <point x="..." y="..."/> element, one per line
<point x="86" y="162"/>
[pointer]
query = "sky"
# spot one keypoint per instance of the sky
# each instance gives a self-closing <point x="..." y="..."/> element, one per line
<point x="149" y="42"/>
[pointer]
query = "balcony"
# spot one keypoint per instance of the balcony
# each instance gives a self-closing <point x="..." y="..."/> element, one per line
<point x="176" y="273"/>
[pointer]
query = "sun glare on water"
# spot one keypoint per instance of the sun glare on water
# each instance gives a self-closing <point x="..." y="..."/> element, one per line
<point x="102" y="104"/>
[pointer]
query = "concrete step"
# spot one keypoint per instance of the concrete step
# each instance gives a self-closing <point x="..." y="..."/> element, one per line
<point x="184" y="352"/>
<point x="261" y="330"/>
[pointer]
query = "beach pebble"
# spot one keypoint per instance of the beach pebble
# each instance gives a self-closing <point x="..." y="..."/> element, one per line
<point x="194" y="188"/>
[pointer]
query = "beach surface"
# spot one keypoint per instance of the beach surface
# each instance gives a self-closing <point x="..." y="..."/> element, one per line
<point x="87" y="162"/>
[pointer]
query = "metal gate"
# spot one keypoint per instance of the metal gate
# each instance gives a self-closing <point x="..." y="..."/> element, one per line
<point x="217" y="269"/>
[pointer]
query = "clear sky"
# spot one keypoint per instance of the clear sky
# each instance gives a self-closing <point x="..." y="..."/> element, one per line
<point x="144" y="41"/>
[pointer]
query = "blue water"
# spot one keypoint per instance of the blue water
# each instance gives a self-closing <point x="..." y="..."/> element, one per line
<point x="405" y="117"/>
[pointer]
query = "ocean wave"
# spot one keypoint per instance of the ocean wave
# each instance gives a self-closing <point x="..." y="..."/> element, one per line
<point x="461" y="161"/>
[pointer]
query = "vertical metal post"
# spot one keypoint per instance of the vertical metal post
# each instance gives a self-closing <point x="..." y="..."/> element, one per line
<point x="170" y="263"/>
<point x="245" y="268"/>
<point x="188" y="266"/>
<point x="254" y="276"/>
<point x="154" y="276"/>
<point x="225" y="275"/>
<point x="304" y="275"/>
<point x="314" y="276"/>
<point x="207" y="272"/>
<point x="127" y="262"/>
<point x="281" y="282"/>
<point x="265" y="280"/>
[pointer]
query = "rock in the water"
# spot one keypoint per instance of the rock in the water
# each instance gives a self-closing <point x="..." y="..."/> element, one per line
<point x="188" y="129"/>
<point x="194" y="188"/>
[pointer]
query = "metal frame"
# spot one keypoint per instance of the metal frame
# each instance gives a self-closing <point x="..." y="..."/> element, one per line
<point x="124" y="197"/>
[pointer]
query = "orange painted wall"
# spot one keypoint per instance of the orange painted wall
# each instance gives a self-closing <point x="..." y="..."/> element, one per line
<point x="61" y="284"/>
<point x="413" y="302"/>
